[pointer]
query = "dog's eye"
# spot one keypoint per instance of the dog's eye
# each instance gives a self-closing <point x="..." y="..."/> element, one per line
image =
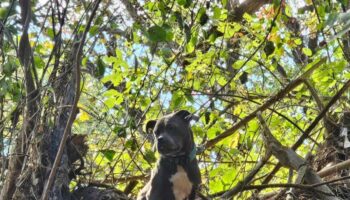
<point x="171" y="126"/>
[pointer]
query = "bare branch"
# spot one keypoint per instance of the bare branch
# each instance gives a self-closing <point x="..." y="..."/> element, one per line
<point x="335" y="168"/>
<point x="290" y="159"/>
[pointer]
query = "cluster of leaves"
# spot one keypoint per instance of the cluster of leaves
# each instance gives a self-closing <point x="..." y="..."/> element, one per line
<point x="184" y="54"/>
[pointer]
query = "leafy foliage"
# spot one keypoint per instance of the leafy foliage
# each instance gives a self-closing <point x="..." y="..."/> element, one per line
<point x="184" y="54"/>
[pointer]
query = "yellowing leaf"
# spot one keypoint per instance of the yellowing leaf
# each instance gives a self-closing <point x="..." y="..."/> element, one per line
<point x="110" y="102"/>
<point x="307" y="51"/>
<point x="288" y="11"/>
<point x="298" y="41"/>
<point x="238" y="110"/>
<point x="83" y="116"/>
<point x="232" y="142"/>
<point x="347" y="75"/>
<point x="222" y="81"/>
<point x="247" y="17"/>
<point x="189" y="76"/>
<point x="238" y="64"/>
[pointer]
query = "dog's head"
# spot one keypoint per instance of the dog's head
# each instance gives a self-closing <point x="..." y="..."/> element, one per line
<point x="173" y="133"/>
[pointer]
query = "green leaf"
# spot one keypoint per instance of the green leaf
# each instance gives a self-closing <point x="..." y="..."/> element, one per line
<point x="332" y="18"/>
<point x="84" y="61"/>
<point x="9" y="67"/>
<point x="3" y="13"/>
<point x="119" y="100"/>
<point x="177" y="99"/>
<point x="110" y="102"/>
<point x="181" y="2"/>
<point x="157" y="34"/>
<point x="184" y="3"/>
<point x="50" y="33"/>
<point x="168" y="32"/>
<point x="108" y="153"/>
<point x="229" y="175"/>
<point x="114" y="98"/>
<point x="190" y="46"/>
<point x="120" y="131"/>
<point x="150" y="156"/>
<point x="192" y="43"/>
<point x="189" y="97"/>
<point x="224" y="2"/>
<point x="347" y="75"/>
<point x="217" y="13"/>
<point x="115" y="78"/>
<point x="222" y="81"/>
<point x="101" y="67"/>
<point x="238" y="64"/>
<point x="3" y="87"/>
<point x="298" y="41"/>
<point x="110" y="59"/>
<point x="288" y="11"/>
<point x="131" y="144"/>
<point x="94" y="30"/>
<point x="247" y="17"/>
<point x="229" y="29"/>
<point x="307" y="51"/>
<point x="38" y="61"/>
<point x="214" y="130"/>
<point x="111" y="93"/>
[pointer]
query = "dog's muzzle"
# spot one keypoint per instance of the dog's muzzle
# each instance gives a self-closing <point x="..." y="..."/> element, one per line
<point x="167" y="146"/>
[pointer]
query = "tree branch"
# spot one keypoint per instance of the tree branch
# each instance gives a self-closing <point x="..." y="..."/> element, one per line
<point x="265" y="106"/>
<point x="311" y="127"/>
<point x="292" y="160"/>
<point x="335" y="168"/>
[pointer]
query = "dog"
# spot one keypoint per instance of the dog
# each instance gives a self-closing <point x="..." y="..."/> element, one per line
<point x="177" y="175"/>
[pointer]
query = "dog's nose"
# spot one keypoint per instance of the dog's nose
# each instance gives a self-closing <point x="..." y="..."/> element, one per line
<point x="161" y="143"/>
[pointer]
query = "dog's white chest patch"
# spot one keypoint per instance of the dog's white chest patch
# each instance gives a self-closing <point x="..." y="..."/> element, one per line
<point x="182" y="185"/>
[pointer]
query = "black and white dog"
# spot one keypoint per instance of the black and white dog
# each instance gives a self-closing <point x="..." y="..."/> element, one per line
<point x="177" y="174"/>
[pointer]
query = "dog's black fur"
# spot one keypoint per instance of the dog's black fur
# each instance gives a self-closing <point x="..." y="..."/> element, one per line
<point x="177" y="175"/>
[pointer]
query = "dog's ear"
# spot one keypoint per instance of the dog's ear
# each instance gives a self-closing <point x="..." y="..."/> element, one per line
<point x="184" y="114"/>
<point x="150" y="126"/>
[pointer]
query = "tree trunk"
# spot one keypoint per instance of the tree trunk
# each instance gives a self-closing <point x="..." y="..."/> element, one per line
<point x="36" y="146"/>
<point x="30" y="115"/>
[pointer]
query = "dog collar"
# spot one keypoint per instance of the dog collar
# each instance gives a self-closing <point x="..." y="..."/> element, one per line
<point x="193" y="153"/>
<point x="191" y="156"/>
